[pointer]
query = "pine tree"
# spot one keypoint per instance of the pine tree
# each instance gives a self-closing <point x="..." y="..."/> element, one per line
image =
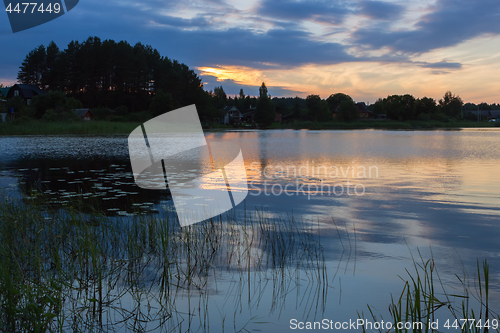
<point x="33" y="67"/>
<point x="266" y="112"/>
<point x="52" y="75"/>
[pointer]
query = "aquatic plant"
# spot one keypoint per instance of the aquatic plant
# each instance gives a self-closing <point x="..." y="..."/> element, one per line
<point x="419" y="307"/>
<point x="62" y="269"/>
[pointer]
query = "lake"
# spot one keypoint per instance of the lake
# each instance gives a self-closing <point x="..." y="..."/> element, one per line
<point x="362" y="203"/>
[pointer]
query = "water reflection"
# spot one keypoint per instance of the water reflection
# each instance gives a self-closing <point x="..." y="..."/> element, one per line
<point x="426" y="188"/>
<point x="101" y="185"/>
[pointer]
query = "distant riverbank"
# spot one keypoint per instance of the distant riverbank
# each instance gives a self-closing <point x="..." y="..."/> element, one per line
<point x="33" y="127"/>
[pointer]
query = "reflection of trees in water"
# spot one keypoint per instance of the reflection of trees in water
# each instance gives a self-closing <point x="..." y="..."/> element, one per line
<point x="98" y="184"/>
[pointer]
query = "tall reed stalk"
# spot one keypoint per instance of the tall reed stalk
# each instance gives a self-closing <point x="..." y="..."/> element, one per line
<point x="427" y="306"/>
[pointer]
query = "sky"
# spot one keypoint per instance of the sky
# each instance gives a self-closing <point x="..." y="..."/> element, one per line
<point x="367" y="49"/>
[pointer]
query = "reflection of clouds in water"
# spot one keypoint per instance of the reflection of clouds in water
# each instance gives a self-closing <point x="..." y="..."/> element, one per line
<point x="434" y="188"/>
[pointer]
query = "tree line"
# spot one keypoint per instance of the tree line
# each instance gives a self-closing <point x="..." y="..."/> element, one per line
<point x="342" y="107"/>
<point x="109" y="74"/>
<point x="106" y="75"/>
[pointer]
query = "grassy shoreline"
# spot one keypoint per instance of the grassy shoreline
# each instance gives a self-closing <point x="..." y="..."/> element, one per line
<point x="33" y="127"/>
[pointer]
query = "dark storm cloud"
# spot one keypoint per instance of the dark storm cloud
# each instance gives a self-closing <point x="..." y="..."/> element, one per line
<point x="381" y="10"/>
<point x="331" y="11"/>
<point x="452" y="22"/>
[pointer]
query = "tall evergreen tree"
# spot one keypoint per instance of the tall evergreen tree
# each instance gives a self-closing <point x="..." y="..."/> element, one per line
<point x="33" y="67"/>
<point x="266" y="112"/>
<point x="52" y="75"/>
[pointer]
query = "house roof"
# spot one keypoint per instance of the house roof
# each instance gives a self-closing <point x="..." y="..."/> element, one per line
<point x="4" y="92"/>
<point x="28" y="90"/>
<point x="362" y="107"/>
<point x="82" y="112"/>
<point x="493" y="113"/>
<point x="231" y="108"/>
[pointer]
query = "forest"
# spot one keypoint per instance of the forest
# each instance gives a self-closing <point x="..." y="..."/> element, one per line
<point x="109" y="74"/>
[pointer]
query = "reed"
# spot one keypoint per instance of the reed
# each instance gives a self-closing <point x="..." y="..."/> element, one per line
<point x="63" y="268"/>
<point x="425" y="297"/>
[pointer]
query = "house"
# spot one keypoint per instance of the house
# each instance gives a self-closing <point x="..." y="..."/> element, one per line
<point x="364" y="113"/>
<point x="335" y="112"/>
<point x="493" y="114"/>
<point x="485" y="114"/>
<point x="279" y="114"/>
<point x="233" y="115"/>
<point x="25" y="91"/>
<point x="84" y="114"/>
<point x="247" y="117"/>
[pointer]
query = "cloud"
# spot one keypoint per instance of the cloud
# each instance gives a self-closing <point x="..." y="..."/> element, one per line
<point x="452" y="22"/>
<point x="277" y="48"/>
<point x="276" y="37"/>
<point x="196" y="41"/>
<point x="174" y="38"/>
<point x="179" y="22"/>
<point x="441" y="65"/>
<point x="332" y="11"/>
<point x="381" y="10"/>
<point x="232" y="88"/>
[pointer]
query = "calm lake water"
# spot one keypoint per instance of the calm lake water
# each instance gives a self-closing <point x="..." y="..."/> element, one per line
<point x="371" y="198"/>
